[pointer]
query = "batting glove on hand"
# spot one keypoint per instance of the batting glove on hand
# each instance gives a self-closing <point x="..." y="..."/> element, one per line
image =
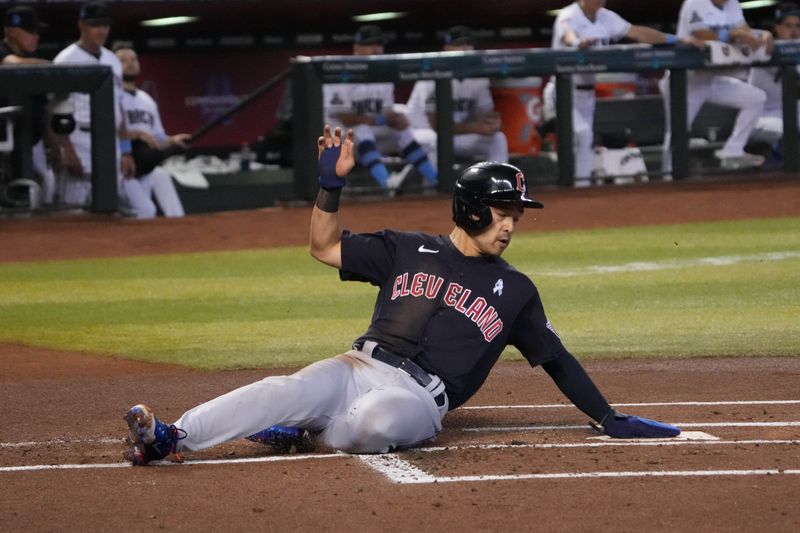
<point x="621" y="426"/>
<point x="327" y="168"/>
<point x="333" y="164"/>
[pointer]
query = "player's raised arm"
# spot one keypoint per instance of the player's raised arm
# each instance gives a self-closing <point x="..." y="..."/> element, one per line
<point x="336" y="160"/>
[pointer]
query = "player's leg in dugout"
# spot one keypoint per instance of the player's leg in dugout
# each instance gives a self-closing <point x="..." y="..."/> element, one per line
<point x="733" y="92"/>
<point x="357" y="404"/>
<point x="368" y="153"/>
<point x="412" y="151"/>
<point x="165" y="193"/>
<point x="698" y="89"/>
<point x="491" y="147"/>
<point x="135" y="198"/>
<point x="583" y="104"/>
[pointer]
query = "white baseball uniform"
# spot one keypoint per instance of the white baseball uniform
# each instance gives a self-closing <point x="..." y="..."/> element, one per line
<point x="77" y="190"/>
<point x="367" y="99"/>
<point x="769" y="126"/>
<point x="140" y="113"/>
<point x="713" y="85"/>
<point x="472" y="97"/>
<point x="607" y="27"/>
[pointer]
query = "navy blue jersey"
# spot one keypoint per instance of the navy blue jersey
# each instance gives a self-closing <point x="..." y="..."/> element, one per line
<point x="452" y="314"/>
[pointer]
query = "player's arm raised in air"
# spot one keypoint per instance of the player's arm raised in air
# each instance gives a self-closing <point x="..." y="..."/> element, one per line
<point x="336" y="160"/>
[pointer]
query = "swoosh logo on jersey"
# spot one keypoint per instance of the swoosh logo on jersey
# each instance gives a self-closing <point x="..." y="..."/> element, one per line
<point x="424" y="250"/>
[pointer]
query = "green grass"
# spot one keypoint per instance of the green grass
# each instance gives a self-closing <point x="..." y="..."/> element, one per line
<point x="281" y="308"/>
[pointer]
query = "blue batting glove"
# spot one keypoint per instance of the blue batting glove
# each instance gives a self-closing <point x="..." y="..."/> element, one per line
<point x="327" y="168"/>
<point x="621" y="426"/>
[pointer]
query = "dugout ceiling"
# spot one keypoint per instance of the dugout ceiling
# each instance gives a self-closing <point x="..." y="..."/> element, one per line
<point x="298" y="23"/>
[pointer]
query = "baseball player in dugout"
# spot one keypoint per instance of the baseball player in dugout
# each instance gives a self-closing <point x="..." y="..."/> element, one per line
<point x="75" y="187"/>
<point x="588" y="24"/>
<point x="144" y="128"/>
<point x="446" y="307"/>
<point x="19" y="47"/>
<point x="720" y="20"/>
<point x="769" y="127"/>
<point x="477" y="125"/>
<point x="367" y="108"/>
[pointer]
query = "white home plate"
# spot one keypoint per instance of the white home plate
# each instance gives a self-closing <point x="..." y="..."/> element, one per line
<point x="685" y="435"/>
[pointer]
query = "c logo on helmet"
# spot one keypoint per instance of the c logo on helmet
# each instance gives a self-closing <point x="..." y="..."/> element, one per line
<point x="521" y="182"/>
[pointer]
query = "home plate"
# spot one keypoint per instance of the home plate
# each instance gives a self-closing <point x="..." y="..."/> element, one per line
<point x="685" y="435"/>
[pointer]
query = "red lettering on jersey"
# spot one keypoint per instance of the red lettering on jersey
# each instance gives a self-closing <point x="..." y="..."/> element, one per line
<point x="521" y="182"/>
<point x="396" y="287"/>
<point x="460" y="306"/>
<point x="492" y="331"/>
<point x="486" y="318"/>
<point x="475" y="309"/>
<point x="451" y="296"/>
<point x="416" y="284"/>
<point x="404" y="289"/>
<point x="434" y="284"/>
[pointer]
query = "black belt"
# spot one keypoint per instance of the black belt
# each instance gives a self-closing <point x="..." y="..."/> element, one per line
<point x="587" y="87"/>
<point x="405" y="364"/>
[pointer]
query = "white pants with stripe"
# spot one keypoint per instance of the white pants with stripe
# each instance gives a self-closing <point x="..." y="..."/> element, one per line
<point x="355" y="403"/>
<point x="583" y="105"/>
<point x="704" y="86"/>
<point x="484" y="147"/>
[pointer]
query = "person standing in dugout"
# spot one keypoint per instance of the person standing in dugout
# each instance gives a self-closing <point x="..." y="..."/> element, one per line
<point x="75" y="187"/>
<point x="447" y="306"/>
<point x="769" y="126"/>
<point x="143" y="126"/>
<point x="588" y="24"/>
<point x="719" y="20"/>
<point x="20" y="47"/>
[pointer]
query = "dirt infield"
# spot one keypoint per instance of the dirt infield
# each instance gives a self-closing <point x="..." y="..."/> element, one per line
<point x="516" y="458"/>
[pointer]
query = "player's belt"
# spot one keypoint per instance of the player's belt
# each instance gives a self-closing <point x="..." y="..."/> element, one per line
<point x="374" y="350"/>
<point x="586" y="87"/>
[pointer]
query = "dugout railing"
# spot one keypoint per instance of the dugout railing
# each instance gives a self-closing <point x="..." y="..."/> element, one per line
<point x="310" y="73"/>
<point x="19" y="83"/>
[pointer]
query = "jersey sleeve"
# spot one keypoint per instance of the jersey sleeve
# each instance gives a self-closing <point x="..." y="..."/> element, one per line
<point x="617" y="26"/>
<point x="368" y="256"/>
<point x="692" y="18"/>
<point x="561" y="27"/>
<point x="485" y="101"/>
<point x="418" y="104"/>
<point x="158" y="126"/>
<point x="533" y="335"/>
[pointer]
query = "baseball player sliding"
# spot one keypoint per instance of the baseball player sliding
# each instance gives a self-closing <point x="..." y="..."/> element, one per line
<point x="447" y="306"/>
<point x="581" y="25"/>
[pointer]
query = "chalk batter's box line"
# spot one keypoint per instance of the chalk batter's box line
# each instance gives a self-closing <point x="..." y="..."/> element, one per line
<point x="647" y="404"/>
<point x="371" y="460"/>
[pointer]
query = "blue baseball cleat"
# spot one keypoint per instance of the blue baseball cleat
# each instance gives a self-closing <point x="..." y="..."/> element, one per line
<point x="284" y="439"/>
<point x="149" y="439"/>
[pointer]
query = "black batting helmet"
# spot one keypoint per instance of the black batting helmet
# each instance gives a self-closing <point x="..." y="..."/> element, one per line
<point x="486" y="184"/>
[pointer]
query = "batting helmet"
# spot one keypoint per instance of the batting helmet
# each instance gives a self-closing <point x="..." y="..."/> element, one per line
<point x="486" y="184"/>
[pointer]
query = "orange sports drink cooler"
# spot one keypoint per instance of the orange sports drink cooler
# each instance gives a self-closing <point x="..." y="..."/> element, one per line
<point x="519" y="102"/>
